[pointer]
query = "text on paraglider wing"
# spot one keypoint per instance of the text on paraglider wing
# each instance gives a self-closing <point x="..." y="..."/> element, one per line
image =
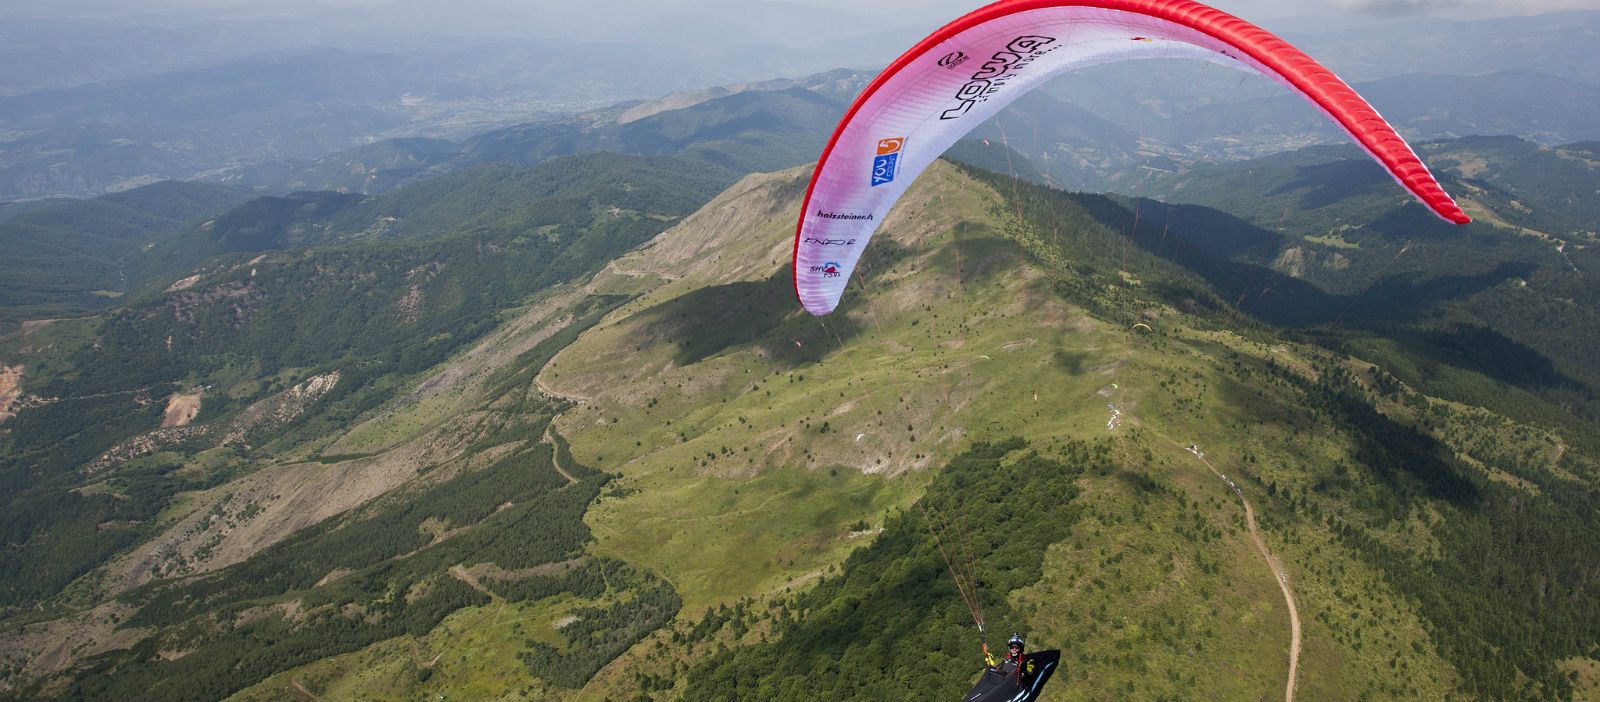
<point x="828" y="270"/>
<point x="844" y="215"/>
<point x="813" y="241"/>
<point x="994" y="73"/>
<point x="953" y="59"/>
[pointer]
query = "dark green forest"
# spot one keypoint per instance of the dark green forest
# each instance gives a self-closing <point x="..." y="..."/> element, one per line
<point x="891" y="624"/>
<point x="1482" y="298"/>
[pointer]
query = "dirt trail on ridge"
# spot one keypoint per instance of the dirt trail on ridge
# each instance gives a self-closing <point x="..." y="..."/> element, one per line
<point x="1283" y="583"/>
<point x="304" y="691"/>
<point x="1276" y="571"/>
<point x="555" y="457"/>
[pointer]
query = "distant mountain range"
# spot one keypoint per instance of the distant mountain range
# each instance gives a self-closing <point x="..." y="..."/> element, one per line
<point x="1071" y="145"/>
<point x="235" y="118"/>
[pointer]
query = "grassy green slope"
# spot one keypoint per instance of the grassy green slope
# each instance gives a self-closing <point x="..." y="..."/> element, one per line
<point x="753" y="483"/>
<point x="693" y="390"/>
<point x="731" y="423"/>
<point x="707" y="402"/>
<point x="948" y="345"/>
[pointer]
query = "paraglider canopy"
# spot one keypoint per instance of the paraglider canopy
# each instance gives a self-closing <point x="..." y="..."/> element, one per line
<point x="969" y="69"/>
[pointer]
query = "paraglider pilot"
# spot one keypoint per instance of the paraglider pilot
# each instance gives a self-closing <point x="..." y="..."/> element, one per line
<point x="1012" y="663"/>
<point x="1016" y="678"/>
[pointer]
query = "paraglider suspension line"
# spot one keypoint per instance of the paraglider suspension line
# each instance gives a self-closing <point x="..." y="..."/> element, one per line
<point x="961" y="565"/>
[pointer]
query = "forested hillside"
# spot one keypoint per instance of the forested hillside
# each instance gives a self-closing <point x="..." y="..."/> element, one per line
<point x="245" y="329"/>
<point x="70" y="257"/>
<point x="563" y="198"/>
<point x="563" y="432"/>
<point x="1327" y="242"/>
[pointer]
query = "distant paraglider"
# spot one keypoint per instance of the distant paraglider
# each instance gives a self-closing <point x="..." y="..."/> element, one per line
<point x="970" y="69"/>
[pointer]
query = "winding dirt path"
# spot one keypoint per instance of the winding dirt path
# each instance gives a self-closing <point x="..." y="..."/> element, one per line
<point x="304" y="691"/>
<point x="555" y="457"/>
<point x="1277" y="573"/>
<point x="462" y="575"/>
<point x="1273" y="568"/>
<point x="575" y="399"/>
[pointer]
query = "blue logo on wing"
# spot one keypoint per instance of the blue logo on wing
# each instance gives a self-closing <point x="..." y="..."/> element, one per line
<point x="887" y="163"/>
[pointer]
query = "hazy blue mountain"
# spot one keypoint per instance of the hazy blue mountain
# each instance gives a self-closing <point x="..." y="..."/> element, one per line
<point x="93" y="139"/>
<point x="670" y="46"/>
<point x="1527" y="104"/>
<point x="1069" y="143"/>
<point x="376" y="167"/>
<point x="743" y="129"/>
<point x="108" y="99"/>
<point x="164" y="96"/>
<point x="749" y="131"/>
<point x="1561" y="44"/>
<point x="1077" y="130"/>
<point x="1168" y="115"/>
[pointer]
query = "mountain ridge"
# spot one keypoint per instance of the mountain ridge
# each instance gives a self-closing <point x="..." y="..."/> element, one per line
<point x="717" y="425"/>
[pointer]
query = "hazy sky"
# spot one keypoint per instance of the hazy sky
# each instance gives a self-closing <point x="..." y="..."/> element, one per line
<point x="1267" y="8"/>
<point x="1248" y="9"/>
<point x="1290" y="8"/>
<point x="1464" y="9"/>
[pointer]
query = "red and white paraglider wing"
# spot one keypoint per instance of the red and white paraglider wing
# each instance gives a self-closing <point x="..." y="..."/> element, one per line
<point x="973" y="67"/>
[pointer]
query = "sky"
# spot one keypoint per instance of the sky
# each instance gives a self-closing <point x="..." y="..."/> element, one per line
<point x="1248" y="9"/>
<point x="1262" y="12"/>
<point x="1456" y="9"/>
<point x="255" y="26"/>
